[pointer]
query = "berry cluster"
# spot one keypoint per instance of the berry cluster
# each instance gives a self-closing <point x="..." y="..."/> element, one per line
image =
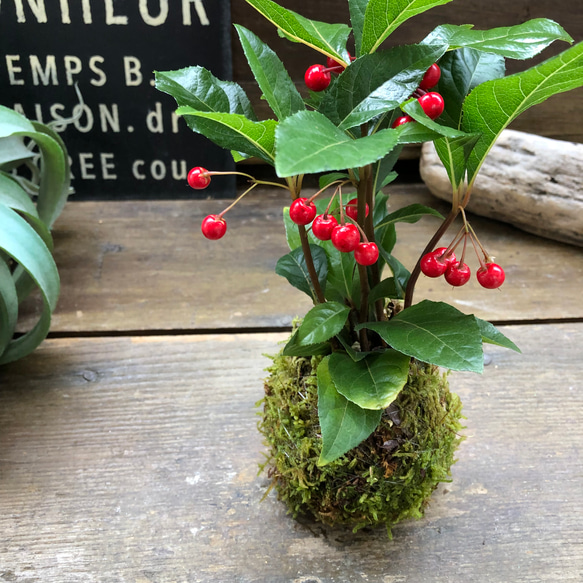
<point x="430" y="101"/>
<point x="345" y="236"/>
<point x="442" y="261"/>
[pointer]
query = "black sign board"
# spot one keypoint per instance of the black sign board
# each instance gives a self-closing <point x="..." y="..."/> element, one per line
<point x="125" y="142"/>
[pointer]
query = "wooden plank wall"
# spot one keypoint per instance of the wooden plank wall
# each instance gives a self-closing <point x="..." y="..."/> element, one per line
<point x="560" y="117"/>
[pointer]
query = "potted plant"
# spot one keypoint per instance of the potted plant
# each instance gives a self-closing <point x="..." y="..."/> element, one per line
<point x="34" y="166"/>
<point x="359" y="420"/>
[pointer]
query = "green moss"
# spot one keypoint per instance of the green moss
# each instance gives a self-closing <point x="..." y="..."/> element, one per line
<point x="388" y="477"/>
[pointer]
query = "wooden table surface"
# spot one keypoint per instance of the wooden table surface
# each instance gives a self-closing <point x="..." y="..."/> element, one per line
<point x="128" y="440"/>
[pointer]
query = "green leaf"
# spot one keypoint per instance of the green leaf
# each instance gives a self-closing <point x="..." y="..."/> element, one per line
<point x="376" y="84"/>
<point x="328" y="179"/>
<point x="400" y="272"/>
<point x="234" y="131"/>
<point x="308" y="142"/>
<point x="13" y="152"/>
<point x="322" y="322"/>
<point x="383" y="17"/>
<point x="342" y="274"/>
<point x="436" y="333"/>
<point x="271" y="76"/>
<point x="329" y="39"/>
<point x="373" y="382"/>
<point x="521" y="41"/>
<point x="293" y="267"/>
<point x="414" y="109"/>
<point x="292" y="234"/>
<point x="493" y="105"/>
<point x="293" y="348"/>
<point x="343" y="424"/>
<point x="454" y="155"/>
<point x="461" y="72"/>
<point x="409" y="214"/>
<point x="8" y="306"/>
<point x="385" y="289"/>
<point x="19" y="240"/>
<point x="357" y="12"/>
<point x="492" y="335"/>
<point x="199" y="89"/>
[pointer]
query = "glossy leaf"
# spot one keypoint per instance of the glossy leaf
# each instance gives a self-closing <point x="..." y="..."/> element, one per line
<point x="343" y="424"/>
<point x="436" y="333"/>
<point x="454" y="155"/>
<point x="342" y="274"/>
<point x="382" y="17"/>
<point x="329" y="39"/>
<point x="357" y="12"/>
<point x="414" y="109"/>
<point x="198" y="88"/>
<point x="409" y="214"/>
<point x="293" y="267"/>
<point x="385" y="289"/>
<point x="400" y="272"/>
<point x="234" y="131"/>
<point x="492" y="335"/>
<point x="271" y="76"/>
<point x="493" y="105"/>
<point x="292" y="234"/>
<point x="294" y="348"/>
<point x="322" y="322"/>
<point x="521" y="41"/>
<point x="308" y="142"/>
<point x="373" y="382"/>
<point x="375" y="84"/>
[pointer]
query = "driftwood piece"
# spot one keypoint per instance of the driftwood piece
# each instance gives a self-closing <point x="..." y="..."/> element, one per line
<point x="531" y="182"/>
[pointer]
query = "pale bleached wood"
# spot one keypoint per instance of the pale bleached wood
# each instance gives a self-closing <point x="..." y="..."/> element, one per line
<point x="135" y="459"/>
<point x="526" y="180"/>
<point x="145" y="266"/>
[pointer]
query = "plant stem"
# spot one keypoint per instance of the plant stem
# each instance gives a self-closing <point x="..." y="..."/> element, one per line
<point x="429" y="247"/>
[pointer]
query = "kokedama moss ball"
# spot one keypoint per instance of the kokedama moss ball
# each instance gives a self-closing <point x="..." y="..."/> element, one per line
<point x="388" y="477"/>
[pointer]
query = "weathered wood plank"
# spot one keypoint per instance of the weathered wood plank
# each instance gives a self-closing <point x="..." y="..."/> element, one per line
<point x="145" y="266"/>
<point x="135" y="459"/>
<point x="553" y="119"/>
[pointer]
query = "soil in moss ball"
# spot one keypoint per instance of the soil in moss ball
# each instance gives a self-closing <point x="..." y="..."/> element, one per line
<point x="389" y="477"/>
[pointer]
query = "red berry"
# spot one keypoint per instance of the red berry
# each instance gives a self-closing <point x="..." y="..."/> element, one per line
<point x="402" y="121"/>
<point x="316" y="78"/>
<point x="352" y="209"/>
<point x="366" y="253"/>
<point x="434" y="263"/>
<point x="431" y="77"/>
<point x="302" y="211"/>
<point x="213" y="227"/>
<point x="491" y="276"/>
<point x="322" y="227"/>
<point x="198" y="178"/>
<point x="457" y="274"/>
<point x="345" y="237"/>
<point x="432" y="104"/>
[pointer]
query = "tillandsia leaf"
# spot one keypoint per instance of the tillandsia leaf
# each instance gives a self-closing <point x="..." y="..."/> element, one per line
<point x="13" y="152"/>
<point x="293" y="267"/>
<point x="376" y="84"/>
<point x="234" y="131"/>
<point x="12" y="123"/>
<point x="198" y="88"/>
<point x="382" y="17"/>
<point x="329" y="39"/>
<point x="461" y="72"/>
<point x="436" y="333"/>
<point x="343" y="424"/>
<point x="271" y="76"/>
<point x="491" y="335"/>
<point x="308" y="142"/>
<point x="521" y="41"/>
<point x="15" y="197"/>
<point x="322" y="322"/>
<point x="409" y="214"/>
<point x="8" y="306"/>
<point x="294" y="348"/>
<point x="373" y="382"/>
<point x="357" y="12"/>
<point x="19" y="240"/>
<point x="493" y="105"/>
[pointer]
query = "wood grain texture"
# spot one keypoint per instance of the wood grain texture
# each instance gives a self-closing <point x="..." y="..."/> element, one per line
<point x="134" y="460"/>
<point x="145" y="266"/>
<point x="553" y="119"/>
